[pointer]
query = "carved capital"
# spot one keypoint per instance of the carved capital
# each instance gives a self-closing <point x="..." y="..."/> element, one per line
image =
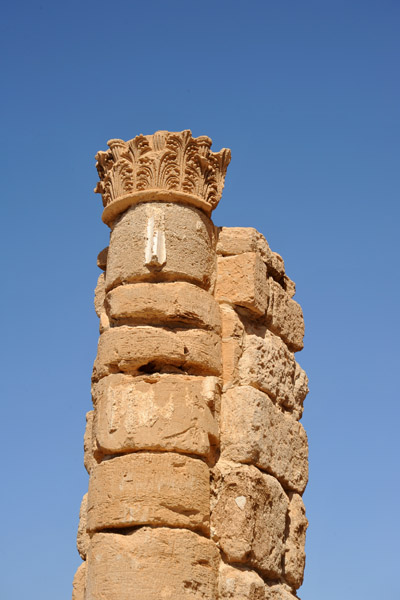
<point x="166" y="167"/>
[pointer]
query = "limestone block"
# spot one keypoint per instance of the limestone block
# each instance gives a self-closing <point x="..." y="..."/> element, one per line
<point x="157" y="412"/>
<point x="279" y="592"/>
<point x="289" y="286"/>
<point x="268" y="365"/>
<point x="164" y="303"/>
<point x="242" y="280"/>
<point x="285" y="317"/>
<point x="248" y="517"/>
<point x="232" y="336"/>
<point x="300" y="391"/>
<point x="237" y="240"/>
<point x="295" y="558"/>
<point x="232" y="325"/>
<point x="102" y="259"/>
<point x="99" y="295"/>
<point x="152" y="564"/>
<point x="239" y="584"/>
<point x="202" y="350"/>
<point x="161" y="241"/>
<point x="79" y="582"/>
<point x="254" y="430"/>
<point x="231" y="353"/>
<point x="82" y="538"/>
<point x="104" y="323"/>
<point x="89" y="444"/>
<point x="99" y="303"/>
<point x="149" y="489"/>
<point x="128" y="349"/>
<point x="274" y="261"/>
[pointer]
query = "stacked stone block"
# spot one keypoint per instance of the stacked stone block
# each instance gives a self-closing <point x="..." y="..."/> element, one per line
<point x="257" y="517"/>
<point x="196" y="456"/>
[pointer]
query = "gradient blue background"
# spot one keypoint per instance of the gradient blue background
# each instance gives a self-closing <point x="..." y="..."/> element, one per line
<point x="306" y="94"/>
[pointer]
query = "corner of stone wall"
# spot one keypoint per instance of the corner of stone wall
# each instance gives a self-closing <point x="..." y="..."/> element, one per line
<point x="257" y="515"/>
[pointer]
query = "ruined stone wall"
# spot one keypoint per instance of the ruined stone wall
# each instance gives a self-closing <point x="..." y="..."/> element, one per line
<point x="257" y="514"/>
<point x="196" y="456"/>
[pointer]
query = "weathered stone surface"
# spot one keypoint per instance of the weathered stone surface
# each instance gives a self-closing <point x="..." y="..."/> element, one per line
<point x="104" y="322"/>
<point x="102" y="259"/>
<point x="237" y="240"/>
<point x="274" y="261"/>
<point x="149" y="489"/>
<point x="242" y="280"/>
<point x="285" y="317"/>
<point x="232" y="325"/>
<point x="152" y="564"/>
<point x="99" y="295"/>
<point x="248" y="517"/>
<point x="254" y="430"/>
<point x="164" y="303"/>
<point x="128" y="349"/>
<point x="243" y="584"/>
<point x="232" y="336"/>
<point x="239" y="584"/>
<point x="157" y="412"/>
<point x="202" y="350"/>
<point x="289" y="286"/>
<point x="231" y="353"/>
<point x="99" y="304"/>
<point x="300" y="391"/>
<point x="89" y="443"/>
<point x="161" y="242"/>
<point x="295" y="558"/>
<point x="268" y="365"/>
<point x="279" y="592"/>
<point x="82" y="538"/>
<point x="78" y="584"/>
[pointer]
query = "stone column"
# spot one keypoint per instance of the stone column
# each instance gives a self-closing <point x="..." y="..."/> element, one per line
<point x="153" y="435"/>
<point x="196" y="456"/>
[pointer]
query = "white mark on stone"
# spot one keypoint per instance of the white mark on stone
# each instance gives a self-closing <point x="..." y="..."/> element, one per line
<point x="241" y="502"/>
<point x="155" y="252"/>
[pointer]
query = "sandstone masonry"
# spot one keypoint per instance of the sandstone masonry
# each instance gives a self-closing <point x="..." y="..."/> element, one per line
<point x="196" y="456"/>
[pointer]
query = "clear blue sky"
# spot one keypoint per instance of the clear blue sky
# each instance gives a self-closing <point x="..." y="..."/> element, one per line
<point x="306" y="94"/>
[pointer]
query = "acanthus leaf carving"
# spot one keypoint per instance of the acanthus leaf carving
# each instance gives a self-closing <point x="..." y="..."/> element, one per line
<point x="163" y="162"/>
